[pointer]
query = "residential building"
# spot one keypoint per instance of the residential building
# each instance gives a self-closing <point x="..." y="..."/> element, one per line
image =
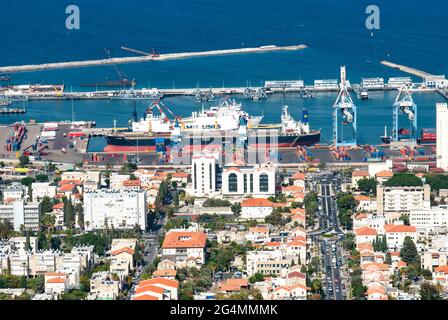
<point x="43" y="189"/>
<point x="203" y="174"/>
<point x="56" y="283"/>
<point x="256" y="208"/>
<point x="121" y="209"/>
<point x="396" y="233"/>
<point x="21" y="214"/>
<point x="430" y="220"/>
<point x="402" y="199"/>
<point x="19" y="244"/>
<point x="103" y="287"/>
<point x="184" y="246"/>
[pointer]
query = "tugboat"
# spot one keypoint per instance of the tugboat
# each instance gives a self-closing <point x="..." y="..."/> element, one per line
<point x="385" y="138"/>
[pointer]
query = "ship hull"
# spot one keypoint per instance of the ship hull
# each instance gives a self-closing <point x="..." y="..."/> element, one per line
<point x="154" y="144"/>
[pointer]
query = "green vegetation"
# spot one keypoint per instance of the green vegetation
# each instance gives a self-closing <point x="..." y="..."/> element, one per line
<point x="41" y="177"/>
<point x="346" y="207"/>
<point x="310" y="204"/>
<point x="405" y="219"/>
<point x="437" y="181"/>
<point x="216" y="203"/>
<point x="368" y="185"/>
<point x="128" y="168"/>
<point x="380" y="244"/>
<point x="212" y="222"/>
<point x="276" y="218"/>
<point x="27" y="181"/>
<point x="257" y="277"/>
<point x="6" y="229"/>
<point x="176" y="223"/>
<point x="100" y="241"/>
<point x="403" y="180"/>
<point x="409" y="254"/>
<point x="24" y="161"/>
<point x="74" y="295"/>
<point x="429" y="291"/>
<point x="221" y="256"/>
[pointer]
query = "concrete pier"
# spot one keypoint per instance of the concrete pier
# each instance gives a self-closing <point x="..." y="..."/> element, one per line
<point x="161" y="57"/>
<point x="413" y="71"/>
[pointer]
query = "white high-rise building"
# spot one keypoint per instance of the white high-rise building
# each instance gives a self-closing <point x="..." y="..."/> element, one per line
<point x="122" y="209"/>
<point x="442" y="135"/>
<point x="21" y="214"/>
<point x="203" y="174"/>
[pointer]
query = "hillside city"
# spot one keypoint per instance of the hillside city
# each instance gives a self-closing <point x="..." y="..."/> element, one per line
<point x="232" y="231"/>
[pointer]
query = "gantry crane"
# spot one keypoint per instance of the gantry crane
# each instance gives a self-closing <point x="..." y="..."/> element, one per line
<point x="404" y="105"/>
<point x="344" y="116"/>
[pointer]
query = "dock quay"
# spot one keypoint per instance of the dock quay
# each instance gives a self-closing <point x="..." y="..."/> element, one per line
<point x="146" y="58"/>
<point x="413" y="71"/>
<point x="141" y="94"/>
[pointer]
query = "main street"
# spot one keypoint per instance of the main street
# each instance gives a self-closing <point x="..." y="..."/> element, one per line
<point x="329" y="234"/>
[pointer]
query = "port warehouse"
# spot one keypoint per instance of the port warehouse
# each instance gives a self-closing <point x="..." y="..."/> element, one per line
<point x="50" y="92"/>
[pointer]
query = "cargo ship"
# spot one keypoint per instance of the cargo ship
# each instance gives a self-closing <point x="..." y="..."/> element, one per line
<point x="225" y="126"/>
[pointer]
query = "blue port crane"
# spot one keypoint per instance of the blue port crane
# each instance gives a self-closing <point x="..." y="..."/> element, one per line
<point x="344" y="116"/>
<point x="404" y="106"/>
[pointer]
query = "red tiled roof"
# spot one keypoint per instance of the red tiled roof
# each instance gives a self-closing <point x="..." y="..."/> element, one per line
<point x="192" y="240"/>
<point x="365" y="231"/>
<point x="58" y="206"/>
<point x="259" y="229"/>
<point x="145" y="297"/>
<point x="160" y="281"/>
<point x="257" y="202"/>
<point x="121" y="250"/>
<point x="399" y="228"/>
<point x="56" y="280"/>
<point x="180" y="175"/>
<point x="165" y="273"/>
<point x="441" y="269"/>
<point x="360" y="173"/>
<point x="299" y="176"/>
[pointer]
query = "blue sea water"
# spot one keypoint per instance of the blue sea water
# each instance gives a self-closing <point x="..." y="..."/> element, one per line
<point x="411" y="32"/>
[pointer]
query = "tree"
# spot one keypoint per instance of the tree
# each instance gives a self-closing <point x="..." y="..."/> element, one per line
<point x="388" y="259"/>
<point x="69" y="213"/>
<point x="403" y="180"/>
<point x="429" y="291"/>
<point x="27" y="181"/>
<point x="6" y="229"/>
<point x="41" y="177"/>
<point x="46" y="205"/>
<point x="275" y="218"/>
<point x="176" y="198"/>
<point x="84" y="283"/>
<point x="24" y="161"/>
<point x="236" y="208"/>
<point x="257" y="277"/>
<point x="405" y="219"/>
<point x="368" y="185"/>
<point x="79" y="209"/>
<point x="437" y="181"/>
<point x="409" y="252"/>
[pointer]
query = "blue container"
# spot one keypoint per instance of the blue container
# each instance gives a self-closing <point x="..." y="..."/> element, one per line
<point x="421" y="152"/>
<point x="374" y="155"/>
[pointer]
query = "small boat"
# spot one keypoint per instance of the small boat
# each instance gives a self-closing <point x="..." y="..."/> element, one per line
<point x="12" y="111"/>
<point x="385" y="138"/>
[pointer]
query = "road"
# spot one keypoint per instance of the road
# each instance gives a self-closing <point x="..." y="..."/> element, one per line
<point x="329" y="234"/>
<point x="151" y="245"/>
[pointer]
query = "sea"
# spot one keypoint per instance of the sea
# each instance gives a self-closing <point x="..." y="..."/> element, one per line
<point x="412" y="33"/>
